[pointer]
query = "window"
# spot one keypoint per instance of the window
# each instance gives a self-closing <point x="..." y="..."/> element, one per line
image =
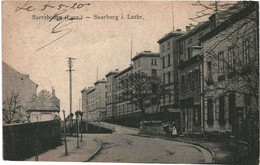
<point x="188" y="82"/>
<point x="163" y="63"/>
<point x="153" y="61"/>
<point x="183" y="83"/>
<point x="222" y="110"/>
<point x="210" y="112"/>
<point x="135" y="64"/>
<point x="221" y="63"/>
<point x="245" y="51"/>
<point x="138" y="63"/>
<point x="190" y="41"/>
<point x="193" y="80"/>
<point x="164" y="78"/>
<point x="169" y="77"/>
<point x="168" y="45"/>
<point x="169" y="60"/>
<point x="181" y="49"/>
<point x="247" y="105"/>
<point x="231" y="59"/>
<point x="163" y="49"/>
<point x="209" y="73"/>
<point x="170" y="98"/>
<point x="231" y="106"/>
<point x="154" y="72"/>
<point x="189" y="49"/>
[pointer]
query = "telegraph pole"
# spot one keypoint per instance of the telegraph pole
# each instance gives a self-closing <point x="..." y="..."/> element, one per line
<point x="70" y="70"/>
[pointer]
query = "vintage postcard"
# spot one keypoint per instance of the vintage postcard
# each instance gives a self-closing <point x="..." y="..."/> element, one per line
<point x="131" y="81"/>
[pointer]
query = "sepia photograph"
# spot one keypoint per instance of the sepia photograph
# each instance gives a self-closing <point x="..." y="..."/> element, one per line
<point x="172" y="82"/>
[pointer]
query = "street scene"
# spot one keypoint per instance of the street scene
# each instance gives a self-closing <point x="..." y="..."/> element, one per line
<point x="171" y="82"/>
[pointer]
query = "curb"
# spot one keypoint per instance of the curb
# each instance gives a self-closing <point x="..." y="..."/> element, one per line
<point x="200" y="145"/>
<point x="96" y="152"/>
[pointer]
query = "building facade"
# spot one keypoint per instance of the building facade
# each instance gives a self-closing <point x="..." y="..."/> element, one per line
<point x="16" y="83"/>
<point x="111" y="94"/>
<point x="94" y="101"/>
<point x="189" y="66"/>
<point x="230" y="71"/>
<point x="169" y="73"/>
<point x="44" y="109"/>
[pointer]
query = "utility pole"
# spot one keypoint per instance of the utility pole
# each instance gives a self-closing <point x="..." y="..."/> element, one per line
<point x="131" y="53"/>
<point x="70" y="70"/>
<point x="70" y="74"/>
<point x="86" y="116"/>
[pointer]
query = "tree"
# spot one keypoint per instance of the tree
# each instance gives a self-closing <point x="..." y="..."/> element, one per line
<point x="239" y="33"/>
<point x="142" y="90"/>
<point x="45" y="93"/>
<point x="11" y="107"/>
<point x="231" y="58"/>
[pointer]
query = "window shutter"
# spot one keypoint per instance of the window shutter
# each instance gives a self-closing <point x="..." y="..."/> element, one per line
<point x="206" y="110"/>
<point x="226" y="107"/>
<point x="216" y="109"/>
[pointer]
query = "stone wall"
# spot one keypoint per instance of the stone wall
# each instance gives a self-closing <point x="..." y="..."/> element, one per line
<point x="151" y="128"/>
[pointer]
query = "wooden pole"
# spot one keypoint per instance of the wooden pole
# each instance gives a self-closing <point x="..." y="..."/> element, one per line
<point x="65" y="140"/>
<point x="36" y="146"/>
<point x="77" y="118"/>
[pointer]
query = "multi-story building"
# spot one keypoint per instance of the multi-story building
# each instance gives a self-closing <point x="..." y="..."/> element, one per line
<point x="169" y="60"/>
<point x="16" y="83"/>
<point x="189" y="66"/>
<point x="111" y="93"/>
<point x="84" y="102"/>
<point x="117" y="106"/>
<point x="148" y="62"/>
<point x="231" y="72"/>
<point x="122" y="106"/>
<point x="94" y="101"/>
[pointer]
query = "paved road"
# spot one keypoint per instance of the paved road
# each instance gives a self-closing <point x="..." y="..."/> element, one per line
<point x="125" y="145"/>
<point x="136" y="149"/>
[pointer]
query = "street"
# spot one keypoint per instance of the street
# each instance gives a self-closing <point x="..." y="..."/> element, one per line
<point x="125" y="145"/>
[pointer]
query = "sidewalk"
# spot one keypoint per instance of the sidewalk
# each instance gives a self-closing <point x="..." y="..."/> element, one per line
<point x="221" y="152"/>
<point x="88" y="148"/>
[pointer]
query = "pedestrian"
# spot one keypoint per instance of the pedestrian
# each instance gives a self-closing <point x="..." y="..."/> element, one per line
<point x="174" y="129"/>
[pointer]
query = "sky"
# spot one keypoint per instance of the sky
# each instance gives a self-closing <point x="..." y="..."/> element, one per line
<point x="40" y="47"/>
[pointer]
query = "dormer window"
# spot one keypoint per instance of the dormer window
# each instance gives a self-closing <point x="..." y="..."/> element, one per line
<point x="212" y="22"/>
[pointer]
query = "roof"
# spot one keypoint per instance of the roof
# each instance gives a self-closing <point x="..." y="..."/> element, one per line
<point x="237" y="16"/>
<point x="111" y="73"/>
<point x="145" y="54"/>
<point x="24" y="76"/>
<point x="169" y="35"/>
<point x="84" y="89"/>
<point x="43" y="104"/>
<point x="91" y="90"/>
<point x="197" y="28"/>
<point x="100" y="81"/>
<point x="124" y="71"/>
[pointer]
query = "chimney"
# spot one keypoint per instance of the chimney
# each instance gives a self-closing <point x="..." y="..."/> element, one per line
<point x="53" y="91"/>
<point x="178" y="30"/>
<point x="188" y="28"/>
<point x="103" y="78"/>
<point x="116" y="70"/>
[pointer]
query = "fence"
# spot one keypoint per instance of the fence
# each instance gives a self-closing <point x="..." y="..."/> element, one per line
<point x="247" y="130"/>
<point x="22" y="141"/>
